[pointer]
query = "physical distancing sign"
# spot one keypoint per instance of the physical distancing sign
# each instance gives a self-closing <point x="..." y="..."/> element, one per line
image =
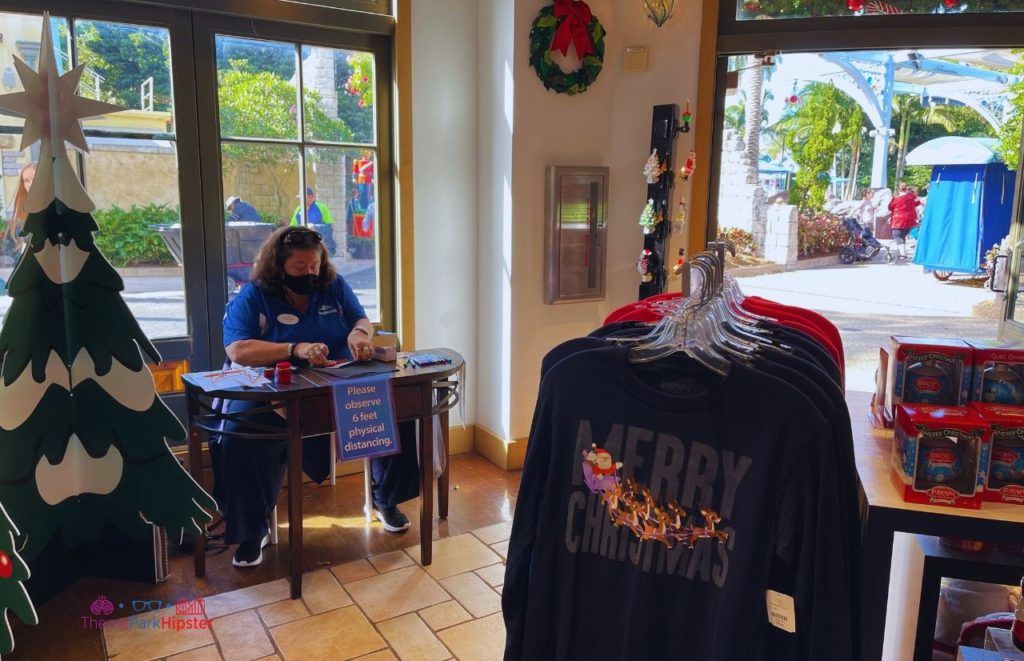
<point x="365" y="418"/>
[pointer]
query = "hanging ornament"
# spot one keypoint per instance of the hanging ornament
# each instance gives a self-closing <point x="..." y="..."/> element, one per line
<point x="653" y="169"/>
<point x="855" y="5"/>
<point x="679" y="223"/>
<point x="951" y="4"/>
<point x="792" y="99"/>
<point x="688" y="166"/>
<point x="647" y="217"/>
<point x="643" y="264"/>
<point x="678" y="268"/>
<point x="685" y="119"/>
<point x="6" y="566"/>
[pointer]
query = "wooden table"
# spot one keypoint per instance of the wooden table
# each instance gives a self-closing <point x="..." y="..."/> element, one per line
<point x="308" y="403"/>
<point x="889" y="514"/>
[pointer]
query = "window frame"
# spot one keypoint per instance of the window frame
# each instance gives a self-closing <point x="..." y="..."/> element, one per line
<point x="206" y="29"/>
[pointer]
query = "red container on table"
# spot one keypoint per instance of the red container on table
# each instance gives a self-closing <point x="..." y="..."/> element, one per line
<point x="284" y="373"/>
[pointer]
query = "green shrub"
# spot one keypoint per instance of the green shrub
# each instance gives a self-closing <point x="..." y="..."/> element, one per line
<point x="820" y="234"/>
<point x="741" y="238"/>
<point x="126" y="239"/>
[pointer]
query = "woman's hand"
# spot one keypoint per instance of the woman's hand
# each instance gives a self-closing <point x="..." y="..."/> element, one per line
<point x="314" y="353"/>
<point x="360" y="346"/>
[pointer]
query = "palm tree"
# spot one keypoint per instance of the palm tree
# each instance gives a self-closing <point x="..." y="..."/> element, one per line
<point x="910" y="112"/>
<point x="753" y="83"/>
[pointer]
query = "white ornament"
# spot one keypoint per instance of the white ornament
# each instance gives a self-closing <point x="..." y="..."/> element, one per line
<point x="53" y="113"/>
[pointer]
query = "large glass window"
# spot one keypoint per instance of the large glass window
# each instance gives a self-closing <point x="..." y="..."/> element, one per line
<point x="747" y="10"/>
<point x="298" y="146"/>
<point x="131" y="171"/>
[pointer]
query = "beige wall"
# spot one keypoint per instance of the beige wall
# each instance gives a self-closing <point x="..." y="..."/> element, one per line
<point x="608" y="125"/>
<point x="126" y="177"/>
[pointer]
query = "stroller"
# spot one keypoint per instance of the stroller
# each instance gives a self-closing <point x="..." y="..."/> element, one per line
<point x="863" y="246"/>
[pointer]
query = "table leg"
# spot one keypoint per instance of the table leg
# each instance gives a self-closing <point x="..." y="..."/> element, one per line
<point x="442" y="482"/>
<point x="295" y="496"/>
<point x="426" y="476"/>
<point x="367" y="490"/>
<point x="195" y="465"/>
<point x="928" y="609"/>
<point x="876" y="564"/>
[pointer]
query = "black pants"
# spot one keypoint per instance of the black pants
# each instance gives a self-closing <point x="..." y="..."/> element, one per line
<point x="248" y="473"/>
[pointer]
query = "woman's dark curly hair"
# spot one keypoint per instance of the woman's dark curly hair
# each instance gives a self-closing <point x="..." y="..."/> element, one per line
<point x="268" y="272"/>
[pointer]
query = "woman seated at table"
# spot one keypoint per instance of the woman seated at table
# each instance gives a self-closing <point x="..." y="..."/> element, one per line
<point x="296" y="308"/>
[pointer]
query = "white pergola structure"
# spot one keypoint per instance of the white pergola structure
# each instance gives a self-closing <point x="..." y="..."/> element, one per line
<point x="974" y="78"/>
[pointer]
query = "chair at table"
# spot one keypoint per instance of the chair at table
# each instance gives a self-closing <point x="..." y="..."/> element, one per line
<point x="220" y="406"/>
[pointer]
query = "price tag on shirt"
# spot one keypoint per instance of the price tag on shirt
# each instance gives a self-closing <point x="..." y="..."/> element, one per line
<point x="781" y="611"/>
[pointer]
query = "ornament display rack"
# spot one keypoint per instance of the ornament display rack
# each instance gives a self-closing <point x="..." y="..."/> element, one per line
<point x="664" y="128"/>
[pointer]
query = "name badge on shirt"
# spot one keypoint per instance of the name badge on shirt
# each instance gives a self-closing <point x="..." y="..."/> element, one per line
<point x="328" y="309"/>
<point x="288" y="319"/>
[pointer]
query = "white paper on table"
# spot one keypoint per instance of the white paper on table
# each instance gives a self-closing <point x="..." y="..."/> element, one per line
<point x="221" y="380"/>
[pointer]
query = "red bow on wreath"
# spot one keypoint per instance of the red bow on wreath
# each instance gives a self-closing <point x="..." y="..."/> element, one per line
<point x="575" y="15"/>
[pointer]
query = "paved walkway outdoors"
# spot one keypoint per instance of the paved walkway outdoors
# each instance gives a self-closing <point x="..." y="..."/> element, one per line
<point x="870" y="302"/>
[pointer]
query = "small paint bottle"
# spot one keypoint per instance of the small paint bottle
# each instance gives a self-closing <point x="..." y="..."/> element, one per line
<point x="284" y="373"/>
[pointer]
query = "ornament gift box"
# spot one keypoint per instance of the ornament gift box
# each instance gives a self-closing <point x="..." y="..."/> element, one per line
<point x="879" y="414"/>
<point x="939" y="454"/>
<point x="385" y="346"/>
<point x="924" y="370"/>
<point x="998" y="373"/>
<point x="1004" y="472"/>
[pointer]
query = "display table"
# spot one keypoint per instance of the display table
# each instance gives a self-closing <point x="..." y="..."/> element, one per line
<point x="888" y="514"/>
<point x="309" y="406"/>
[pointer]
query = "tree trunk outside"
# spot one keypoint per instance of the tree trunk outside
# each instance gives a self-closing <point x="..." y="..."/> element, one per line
<point x="754" y="82"/>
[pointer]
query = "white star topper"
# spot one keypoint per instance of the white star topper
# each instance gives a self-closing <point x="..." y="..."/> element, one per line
<point x="52" y="113"/>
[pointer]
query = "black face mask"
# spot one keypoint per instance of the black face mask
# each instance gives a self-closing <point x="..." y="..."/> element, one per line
<point x="303" y="285"/>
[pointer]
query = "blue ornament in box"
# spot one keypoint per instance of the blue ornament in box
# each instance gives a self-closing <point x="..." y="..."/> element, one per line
<point x="929" y="383"/>
<point x="939" y="461"/>
<point x="1001" y="385"/>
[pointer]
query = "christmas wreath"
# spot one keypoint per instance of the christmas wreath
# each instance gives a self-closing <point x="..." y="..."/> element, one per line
<point x="555" y="28"/>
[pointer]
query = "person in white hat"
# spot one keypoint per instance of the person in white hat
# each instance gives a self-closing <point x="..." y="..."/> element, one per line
<point x="239" y="209"/>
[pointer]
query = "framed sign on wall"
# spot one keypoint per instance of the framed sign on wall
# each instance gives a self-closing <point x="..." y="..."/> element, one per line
<point x="575" y="233"/>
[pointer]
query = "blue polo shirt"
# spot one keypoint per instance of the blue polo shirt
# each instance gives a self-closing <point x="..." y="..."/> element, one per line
<point x="330" y="317"/>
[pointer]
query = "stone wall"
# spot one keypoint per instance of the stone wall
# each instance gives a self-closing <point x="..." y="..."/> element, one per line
<point x="781" y="244"/>
<point x="126" y="175"/>
<point x="328" y="177"/>
<point x="741" y="201"/>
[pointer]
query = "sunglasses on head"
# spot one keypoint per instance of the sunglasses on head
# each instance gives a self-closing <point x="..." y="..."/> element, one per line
<point x="301" y="235"/>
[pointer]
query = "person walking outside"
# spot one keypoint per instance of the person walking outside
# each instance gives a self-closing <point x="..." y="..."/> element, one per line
<point x="904" y="217"/>
<point x="318" y="217"/>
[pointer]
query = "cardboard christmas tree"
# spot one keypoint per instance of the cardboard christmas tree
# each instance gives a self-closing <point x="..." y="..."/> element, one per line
<point x="84" y="458"/>
<point x="13" y="574"/>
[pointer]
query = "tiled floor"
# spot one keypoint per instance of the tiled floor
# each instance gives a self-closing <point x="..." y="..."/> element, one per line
<point x="384" y="607"/>
<point x="336" y="537"/>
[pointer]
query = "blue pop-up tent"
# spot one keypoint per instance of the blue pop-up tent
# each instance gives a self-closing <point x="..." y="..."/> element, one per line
<point x="970" y="200"/>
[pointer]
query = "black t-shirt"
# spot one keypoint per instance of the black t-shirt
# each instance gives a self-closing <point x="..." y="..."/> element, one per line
<point x="746" y="446"/>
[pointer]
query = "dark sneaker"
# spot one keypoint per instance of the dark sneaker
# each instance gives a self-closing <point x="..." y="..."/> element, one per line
<point x="392" y="518"/>
<point x="250" y="552"/>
